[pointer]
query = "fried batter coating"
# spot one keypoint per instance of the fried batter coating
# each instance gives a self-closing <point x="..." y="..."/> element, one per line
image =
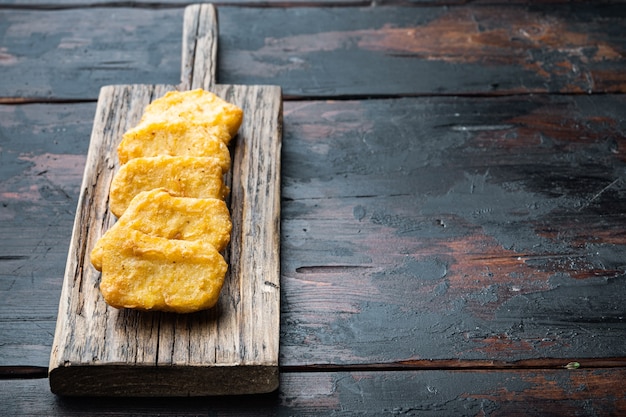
<point x="164" y="251"/>
<point x="195" y="107"/>
<point x="183" y="176"/>
<point x="153" y="273"/>
<point x="175" y="139"/>
<point x="183" y="123"/>
<point x="158" y="213"/>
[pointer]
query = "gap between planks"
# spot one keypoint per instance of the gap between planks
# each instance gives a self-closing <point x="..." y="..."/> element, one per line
<point x="41" y="372"/>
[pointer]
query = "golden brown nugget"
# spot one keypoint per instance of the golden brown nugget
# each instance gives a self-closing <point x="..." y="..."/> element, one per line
<point x="158" y="213"/>
<point x="183" y="176"/>
<point x="153" y="273"/>
<point x="176" y="139"/>
<point x="195" y="107"/>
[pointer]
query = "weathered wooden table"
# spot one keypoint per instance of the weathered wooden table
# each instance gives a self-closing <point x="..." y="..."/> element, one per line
<point x="453" y="229"/>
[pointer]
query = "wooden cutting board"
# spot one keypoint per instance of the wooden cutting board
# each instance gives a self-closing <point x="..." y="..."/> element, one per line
<point x="230" y="349"/>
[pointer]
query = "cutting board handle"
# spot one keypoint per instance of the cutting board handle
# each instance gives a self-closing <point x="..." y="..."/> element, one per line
<point x="199" y="58"/>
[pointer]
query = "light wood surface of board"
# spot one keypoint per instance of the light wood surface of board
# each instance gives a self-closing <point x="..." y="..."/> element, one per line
<point x="230" y="349"/>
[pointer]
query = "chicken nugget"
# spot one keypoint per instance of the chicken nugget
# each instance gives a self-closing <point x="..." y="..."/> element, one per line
<point x="198" y="107"/>
<point x="153" y="273"/>
<point x="178" y="138"/>
<point x="183" y="176"/>
<point x="158" y="213"/>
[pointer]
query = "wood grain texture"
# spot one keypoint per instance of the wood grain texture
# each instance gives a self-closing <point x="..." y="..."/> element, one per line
<point x="325" y="51"/>
<point x="360" y="231"/>
<point x="42" y="157"/>
<point x="419" y="235"/>
<point x="423" y="393"/>
<point x="443" y="228"/>
<point x="231" y="349"/>
<point x="199" y="65"/>
<point x="429" y="50"/>
<point x="103" y="351"/>
<point x="82" y="50"/>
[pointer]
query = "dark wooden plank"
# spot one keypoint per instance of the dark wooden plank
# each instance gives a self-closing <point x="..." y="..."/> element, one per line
<point x="326" y="51"/>
<point x="42" y="155"/>
<point x="70" y="54"/>
<point x="427" y="228"/>
<point x="452" y="50"/>
<point x="423" y="393"/>
<point x="454" y="228"/>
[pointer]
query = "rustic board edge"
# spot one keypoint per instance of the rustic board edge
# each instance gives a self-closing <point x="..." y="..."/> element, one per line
<point x="130" y="381"/>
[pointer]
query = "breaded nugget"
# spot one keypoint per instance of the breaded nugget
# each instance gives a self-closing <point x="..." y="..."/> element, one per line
<point x="153" y="273"/>
<point x="164" y="251"/>
<point x="183" y="176"/>
<point x="183" y="123"/>
<point x="158" y="213"/>
<point x="196" y="107"/>
<point x="175" y="139"/>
